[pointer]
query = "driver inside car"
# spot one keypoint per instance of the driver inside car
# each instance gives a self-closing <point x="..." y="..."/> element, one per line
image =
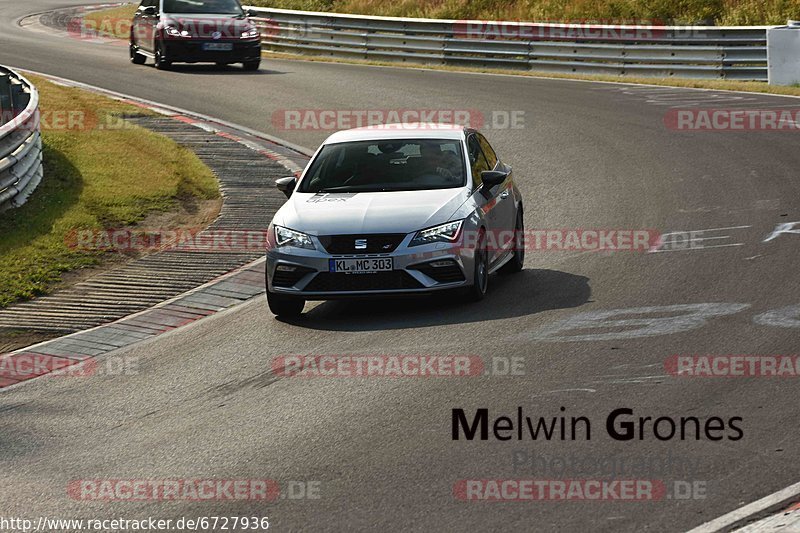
<point x="442" y="163"/>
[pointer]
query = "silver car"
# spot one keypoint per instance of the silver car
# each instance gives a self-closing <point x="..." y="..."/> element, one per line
<point x="394" y="210"/>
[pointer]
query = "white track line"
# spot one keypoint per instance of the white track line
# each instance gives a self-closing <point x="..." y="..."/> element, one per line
<point x="728" y="520"/>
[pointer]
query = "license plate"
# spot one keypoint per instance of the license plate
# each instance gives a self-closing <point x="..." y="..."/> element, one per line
<point x="217" y="47"/>
<point x="361" y="266"/>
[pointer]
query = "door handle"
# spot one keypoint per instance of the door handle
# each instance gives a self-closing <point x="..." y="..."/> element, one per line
<point x="504" y="194"/>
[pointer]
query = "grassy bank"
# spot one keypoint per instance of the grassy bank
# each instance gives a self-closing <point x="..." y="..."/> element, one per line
<point x="114" y="22"/>
<point x="721" y="12"/>
<point x="100" y="173"/>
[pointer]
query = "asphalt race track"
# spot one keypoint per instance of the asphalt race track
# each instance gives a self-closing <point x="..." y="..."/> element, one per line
<point x="206" y="404"/>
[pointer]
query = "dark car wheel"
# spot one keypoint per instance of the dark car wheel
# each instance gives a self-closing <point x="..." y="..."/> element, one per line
<point x="252" y="65"/>
<point x="477" y="291"/>
<point x="136" y="57"/>
<point x="161" y="63"/>
<point x="285" y="307"/>
<point x="517" y="263"/>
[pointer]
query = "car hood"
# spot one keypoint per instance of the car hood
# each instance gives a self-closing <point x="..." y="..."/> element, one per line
<point x="369" y="212"/>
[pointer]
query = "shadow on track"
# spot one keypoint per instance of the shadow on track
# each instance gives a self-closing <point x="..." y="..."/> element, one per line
<point x="210" y="69"/>
<point x="527" y="293"/>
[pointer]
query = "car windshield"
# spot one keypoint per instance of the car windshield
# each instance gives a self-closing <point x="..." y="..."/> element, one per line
<point x="204" y="7"/>
<point x="394" y="165"/>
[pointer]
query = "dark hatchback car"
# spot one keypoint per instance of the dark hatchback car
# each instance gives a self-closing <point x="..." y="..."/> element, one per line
<point x="194" y="31"/>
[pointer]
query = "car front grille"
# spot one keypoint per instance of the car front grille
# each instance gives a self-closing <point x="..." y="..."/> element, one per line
<point x="379" y="281"/>
<point x="193" y="49"/>
<point x="383" y="243"/>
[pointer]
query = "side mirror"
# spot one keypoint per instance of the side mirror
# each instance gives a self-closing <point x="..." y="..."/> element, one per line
<point x="286" y="185"/>
<point x="149" y="10"/>
<point x="492" y="178"/>
<point x="249" y="13"/>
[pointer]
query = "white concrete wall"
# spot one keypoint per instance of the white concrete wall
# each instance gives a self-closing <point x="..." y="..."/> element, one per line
<point x="783" y="55"/>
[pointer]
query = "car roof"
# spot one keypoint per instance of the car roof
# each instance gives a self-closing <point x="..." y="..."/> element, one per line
<point x="399" y="131"/>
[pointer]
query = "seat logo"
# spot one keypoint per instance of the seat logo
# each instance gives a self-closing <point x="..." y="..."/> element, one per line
<point x="361" y="244"/>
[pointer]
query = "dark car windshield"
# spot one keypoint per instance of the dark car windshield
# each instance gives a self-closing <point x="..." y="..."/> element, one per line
<point x="204" y="7"/>
<point x="396" y="165"/>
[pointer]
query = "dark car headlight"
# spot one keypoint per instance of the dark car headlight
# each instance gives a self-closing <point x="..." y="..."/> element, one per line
<point x="290" y="237"/>
<point x="448" y="232"/>
<point x="173" y="31"/>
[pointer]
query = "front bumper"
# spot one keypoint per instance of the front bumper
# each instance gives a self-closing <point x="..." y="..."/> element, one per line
<point x="191" y="51"/>
<point x="419" y="270"/>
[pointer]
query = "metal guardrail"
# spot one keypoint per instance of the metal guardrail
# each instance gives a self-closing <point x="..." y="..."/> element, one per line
<point x="738" y="53"/>
<point x="20" y="140"/>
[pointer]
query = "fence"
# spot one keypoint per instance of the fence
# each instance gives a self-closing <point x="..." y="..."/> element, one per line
<point x="738" y="53"/>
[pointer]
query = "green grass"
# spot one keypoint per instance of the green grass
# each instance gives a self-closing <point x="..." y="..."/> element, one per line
<point x="94" y="178"/>
<point x="114" y="22"/>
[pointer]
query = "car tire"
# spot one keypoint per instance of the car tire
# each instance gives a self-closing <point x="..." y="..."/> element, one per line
<point x="252" y="66"/>
<point x="136" y="57"/>
<point x="517" y="262"/>
<point x="480" y="286"/>
<point x="284" y="306"/>
<point x="160" y="62"/>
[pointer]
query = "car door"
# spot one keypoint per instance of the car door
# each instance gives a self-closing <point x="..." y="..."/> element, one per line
<point x="486" y="200"/>
<point x="505" y="207"/>
<point x="144" y="24"/>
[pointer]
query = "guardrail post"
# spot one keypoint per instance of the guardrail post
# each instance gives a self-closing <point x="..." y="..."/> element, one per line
<point x="783" y="54"/>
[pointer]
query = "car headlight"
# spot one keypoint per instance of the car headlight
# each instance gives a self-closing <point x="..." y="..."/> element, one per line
<point x="252" y="33"/>
<point x="172" y="31"/>
<point x="445" y="233"/>
<point x="289" y="237"/>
